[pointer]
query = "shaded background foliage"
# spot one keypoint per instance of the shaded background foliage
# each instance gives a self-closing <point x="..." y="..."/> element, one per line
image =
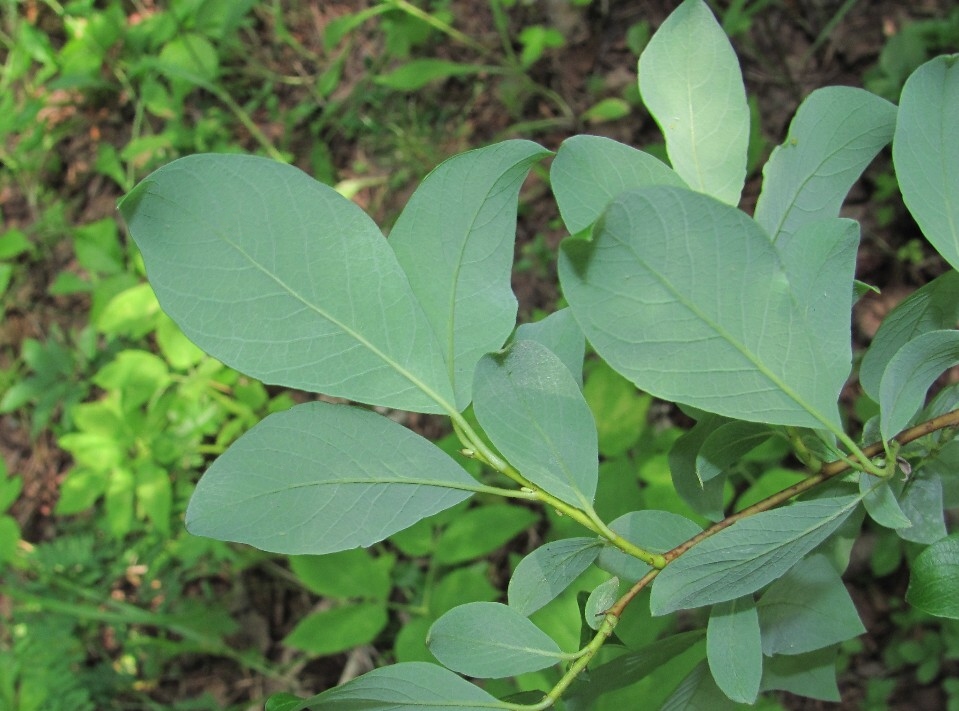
<point x="94" y="95"/>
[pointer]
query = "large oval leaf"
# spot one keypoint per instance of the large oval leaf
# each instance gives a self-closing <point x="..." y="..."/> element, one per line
<point x="533" y="411"/>
<point x="489" y="639"/>
<point x="834" y="135"/>
<point x="454" y="239"/>
<point x="748" y="555"/>
<point x="925" y="151"/>
<point x="692" y="85"/>
<point x="689" y="299"/>
<point x="320" y="478"/>
<point x="284" y="279"/>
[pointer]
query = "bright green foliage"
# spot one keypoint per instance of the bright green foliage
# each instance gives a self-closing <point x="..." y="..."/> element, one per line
<point x="743" y="322"/>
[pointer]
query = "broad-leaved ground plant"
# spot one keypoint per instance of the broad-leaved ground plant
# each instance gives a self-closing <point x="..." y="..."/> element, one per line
<point x="743" y="321"/>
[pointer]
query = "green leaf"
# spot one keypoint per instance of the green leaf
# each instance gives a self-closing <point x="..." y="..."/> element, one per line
<point x="118" y="502"/>
<point x="11" y="486"/>
<point x="812" y="674"/>
<point x="282" y="278"/>
<point x="880" y="501"/>
<point x="320" y="478"/>
<point x="419" y="72"/>
<point x="599" y="601"/>
<point x="589" y="171"/>
<point x="734" y="649"/>
<point x="132" y="312"/>
<point x="561" y="334"/>
<point x="749" y="554"/>
<point x="933" y="307"/>
<point x="835" y="134"/>
<point x="609" y="109"/>
<point x="820" y="263"/>
<point x="807" y="609"/>
<point x="411" y="686"/>
<point x="548" y="571"/>
<point x="698" y="691"/>
<point x="925" y="152"/>
<point x="491" y="640"/>
<point x="633" y="666"/>
<point x="154" y="496"/>
<point x="528" y="403"/>
<point x="922" y="503"/>
<point x="656" y="531"/>
<point x="620" y="410"/>
<point x="688" y="298"/>
<point x="704" y="497"/>
<point x="691" y="83"/>
<point x="909" y="375"/>
<point x="455" y="242"/>
<point x="338" y="628"/>
<point x="80" y="490"/>
<point x="350" y="573"/>
<point x="727" y="445"/>
<point x="934" y="580"/>
<point x="9" y="537"/>
<point x="460" y="586"/>
<point x="137" y="375"/>
<point x="481" y="530"/>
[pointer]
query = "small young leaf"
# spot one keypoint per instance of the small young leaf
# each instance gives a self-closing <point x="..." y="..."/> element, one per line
<point x="491" y="640"/>
<point x="656" y="531"/>
<point x="734" y="649"/>
<point x="589" y="171"/>
<point x="691" y="83"/>
<point x="934" y="582"/>
<point x="320" y="478"/>
<point x="933" y="307"/>
<point x="454" y="240"/>
<point x="749" y="554"/>
<point x="339" y="628"/>
<point x="532" y="409"/>
<point x="548" y="571"/>
<point x="689" y="299"/>
<point x="925" y="152"/>
<point x="599" y="602"/>
<point x="282" y="278"/>
<point x="834" y="135"/>
<point x="909" y="374"/>
<point x="561" y="334"/>
<point x="409" y="686"/>
<point x="807" y="609"/>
